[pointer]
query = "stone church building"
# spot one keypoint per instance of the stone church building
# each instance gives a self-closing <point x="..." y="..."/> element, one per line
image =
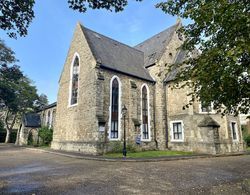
<point x="101" y="76"/>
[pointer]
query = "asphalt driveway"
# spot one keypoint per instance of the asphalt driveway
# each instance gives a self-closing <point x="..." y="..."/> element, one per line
<point x="30" y="172"/>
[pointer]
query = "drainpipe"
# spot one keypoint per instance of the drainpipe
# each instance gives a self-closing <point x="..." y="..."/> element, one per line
<point x="165" y="111"/>
<point x="155" y="139"/>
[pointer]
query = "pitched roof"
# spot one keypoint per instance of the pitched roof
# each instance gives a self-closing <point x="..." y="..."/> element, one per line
<point x="154" y="47"/>
<point x="116" y="56"/>
<point x="49" y="106"/>
<point x="32" y="120"/>
<point x="208" y="121"/>
<point x="179" y="58"/>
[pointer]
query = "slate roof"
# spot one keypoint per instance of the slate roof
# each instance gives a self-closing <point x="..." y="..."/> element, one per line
<point x="47" y="107"/>
<point x="180" y="57"/>
<point x="116" y="56"/>
<point x="154" y="47"/>
<point x="32" y="120"/>
<point x="50" y="106"/>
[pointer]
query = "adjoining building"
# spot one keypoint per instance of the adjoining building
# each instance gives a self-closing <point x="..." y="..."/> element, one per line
<point x="101" y="75"/>
<point x="31" y="122"/>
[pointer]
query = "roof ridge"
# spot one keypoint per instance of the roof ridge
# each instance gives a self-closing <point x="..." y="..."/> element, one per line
<point x="83" y="27"/>
<point x="156" y="34"/>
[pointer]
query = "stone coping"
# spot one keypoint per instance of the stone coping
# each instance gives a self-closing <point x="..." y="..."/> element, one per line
<point x="155" y="159"/>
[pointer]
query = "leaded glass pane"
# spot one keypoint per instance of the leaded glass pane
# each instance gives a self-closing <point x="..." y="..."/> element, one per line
<point x="177" y="131"/>
<point x="234" y="130"/>
<point x="145" y="132"/>
<point x="114" y="108"/>
<point x="75" y="78"/>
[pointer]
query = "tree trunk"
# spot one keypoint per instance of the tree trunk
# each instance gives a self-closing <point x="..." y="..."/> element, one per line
<point x="9" y="128"/>
<point x="18" y="135"/>
<point x="7" y="138"/>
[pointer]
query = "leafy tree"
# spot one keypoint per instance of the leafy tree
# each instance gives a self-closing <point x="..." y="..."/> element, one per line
<point x="18" y="97"/>
<point x="41" y="102"/>
<point x="17" y="94"/>
<point x="16" y="15"/>
<point x="7" y="56"/>
<point x="81" y="5"/>
<point x="220" y="31"/>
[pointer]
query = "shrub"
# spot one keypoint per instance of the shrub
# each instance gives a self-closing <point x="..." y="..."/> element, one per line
<point x="117" y="147"/>
<point x="247" y="140"/>
<point x="131" y="148"/>
<point x="244" y="130"/>
<point x="46" y="134"/>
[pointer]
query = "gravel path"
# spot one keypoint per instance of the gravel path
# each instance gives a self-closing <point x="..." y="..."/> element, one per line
<point x="30" y="172"/>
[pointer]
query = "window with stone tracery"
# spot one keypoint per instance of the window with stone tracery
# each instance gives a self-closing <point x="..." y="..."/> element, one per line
<point x="114" y="109"/>
<point x="145" y="114"/>
<point x="48" y="119"/>
<point x="74" y="82"/>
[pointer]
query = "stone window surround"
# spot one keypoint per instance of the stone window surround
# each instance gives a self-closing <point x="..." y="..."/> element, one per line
<point x="71" y="77"/>
<point x="48" y="119"/>
<point x="119" y="108"/>
<point x="149" y="126"/>
<point x="236" y="131"/>
<point x="172" y="131"/>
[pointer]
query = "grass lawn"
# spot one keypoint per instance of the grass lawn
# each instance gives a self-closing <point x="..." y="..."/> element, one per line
<point x="43" y="147"/>
<point x="148" y="154"/>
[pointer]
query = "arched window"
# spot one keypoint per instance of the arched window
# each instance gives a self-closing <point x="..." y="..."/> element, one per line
<point x="48" y="119"/>
<point x="53" y="118"/>
<point x="74" y="81"/>
<point x="44" y="119"/>
<point x="145" y="127"/>
<point x="114" y="128"/>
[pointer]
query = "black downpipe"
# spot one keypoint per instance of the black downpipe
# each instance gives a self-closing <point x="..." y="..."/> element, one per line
<point x="165" y="111"/>
<point x="155" y="139"/>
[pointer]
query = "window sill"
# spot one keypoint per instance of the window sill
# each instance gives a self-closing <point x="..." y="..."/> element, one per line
<point x="176" y="141"/>
<point x="114" y="139"/>
<point x="207" y="112"/>
<point x="146" y="140"/>
<point x="73" y="105"/>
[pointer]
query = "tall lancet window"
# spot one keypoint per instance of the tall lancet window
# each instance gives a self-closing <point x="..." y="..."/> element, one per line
<point x="114" y="109"/>
<point x="48" y="119"/>
<point x="74" y="82"/>
<point x="145" y="113"/>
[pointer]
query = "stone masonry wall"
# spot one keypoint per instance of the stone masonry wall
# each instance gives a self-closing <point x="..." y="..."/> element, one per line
<point x="131" y="97"/>
<point x="200" y="139"/>
<point x="75" y="127"/>
<point x="44" y="117"/>
<point x="158" y="72"/>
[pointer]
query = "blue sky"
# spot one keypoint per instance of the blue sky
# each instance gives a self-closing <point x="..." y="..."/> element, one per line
<point x="43" y="51"/>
